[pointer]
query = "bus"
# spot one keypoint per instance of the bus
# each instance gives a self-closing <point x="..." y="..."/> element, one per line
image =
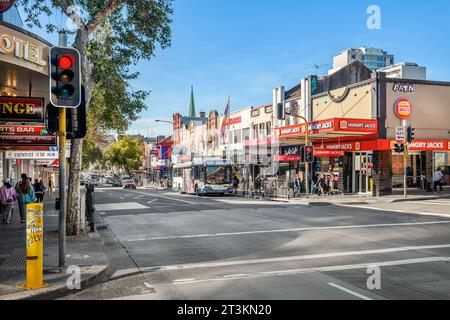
<point x="204" y="176"/>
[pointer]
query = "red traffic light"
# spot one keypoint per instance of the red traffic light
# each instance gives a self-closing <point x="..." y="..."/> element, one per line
<point x="309" y="150"/>
<point x="66" y="61"/>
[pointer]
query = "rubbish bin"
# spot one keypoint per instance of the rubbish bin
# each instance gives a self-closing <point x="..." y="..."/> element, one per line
<point x="57" y="204"/>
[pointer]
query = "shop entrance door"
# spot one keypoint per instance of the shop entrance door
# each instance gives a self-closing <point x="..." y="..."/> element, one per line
<point x="362" y="172"/>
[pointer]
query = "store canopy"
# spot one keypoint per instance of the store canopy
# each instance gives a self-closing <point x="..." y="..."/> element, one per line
<point x="327" y="129"/>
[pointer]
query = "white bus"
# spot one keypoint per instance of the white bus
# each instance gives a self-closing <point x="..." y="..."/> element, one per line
<point x="203" y="176"/>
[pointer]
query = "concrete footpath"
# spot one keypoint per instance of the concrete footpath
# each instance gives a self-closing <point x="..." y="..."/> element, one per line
<point x="85" y="252"/>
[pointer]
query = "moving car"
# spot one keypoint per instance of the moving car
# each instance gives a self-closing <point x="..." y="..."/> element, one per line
<point x="128" y="184"/>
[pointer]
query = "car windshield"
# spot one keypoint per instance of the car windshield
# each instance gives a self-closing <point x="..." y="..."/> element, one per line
<point x="128" y="181"/>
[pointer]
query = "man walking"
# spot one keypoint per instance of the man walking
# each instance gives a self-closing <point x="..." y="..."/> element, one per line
<point x="437" y="179"/>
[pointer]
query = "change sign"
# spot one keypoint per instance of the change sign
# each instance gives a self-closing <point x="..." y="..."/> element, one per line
<point x="13" y="109"/>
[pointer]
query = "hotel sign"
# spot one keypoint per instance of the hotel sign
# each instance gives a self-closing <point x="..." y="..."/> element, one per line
<point x="13" y="109"/>
<point x="23" y="50"/>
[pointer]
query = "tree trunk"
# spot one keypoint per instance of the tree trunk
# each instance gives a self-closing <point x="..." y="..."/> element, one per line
<point x="73" y="197"/>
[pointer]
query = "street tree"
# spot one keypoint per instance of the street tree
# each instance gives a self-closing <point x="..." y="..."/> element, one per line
<point x="126" y="153"/>
<point x="111" y="35"/>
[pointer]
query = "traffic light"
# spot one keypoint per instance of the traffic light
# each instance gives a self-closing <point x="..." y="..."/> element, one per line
<point x="309" y="154"/>
<point x="410" y="134"/>
<point x="65" y="77"/>
<point x="76" y="119"/>
<point x="399" y="148"/>
<point x="281" y="112"/>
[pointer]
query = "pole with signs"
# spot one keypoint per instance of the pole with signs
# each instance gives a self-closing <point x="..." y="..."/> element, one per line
<point x="405" y="158"/>
<point x="34" y="247"/>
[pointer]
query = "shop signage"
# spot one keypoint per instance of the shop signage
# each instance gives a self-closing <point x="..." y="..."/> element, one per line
<point x="287" y="158"/>
<point x="403" y="87"/>
<point x="5" y="5"/>
<point x="403" y="109"/>
<point x="32" y="155"/>
<point x="426" y="145"/>
<point x="329" y="153"/>
<point x="23" y="131"/>
<point x="358" y="125"/>
<point x="322" y="125"/>
<point x="13" y="109"/>
<point x="27" y="140"/>
<point x="235" y="120"/>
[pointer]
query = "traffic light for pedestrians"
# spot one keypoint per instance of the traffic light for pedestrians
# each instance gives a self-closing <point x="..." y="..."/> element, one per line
<point x="65" y="77"/>
<point x="76" y="119"/>
<point x="410" y="134"/>
<point x="281" y="112"/>
<point x="309" y="154"/>
<point x="399" y="147"/>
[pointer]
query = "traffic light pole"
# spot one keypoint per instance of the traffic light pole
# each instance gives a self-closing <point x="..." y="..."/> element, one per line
<point x="405" y="158"/>
<point x="62" y="174"/>
<point x="62" y="187"/>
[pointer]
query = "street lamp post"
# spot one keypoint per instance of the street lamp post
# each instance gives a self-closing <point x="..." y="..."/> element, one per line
<point x="165" y="121"/>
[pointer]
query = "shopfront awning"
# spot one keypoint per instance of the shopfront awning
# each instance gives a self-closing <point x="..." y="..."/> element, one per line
<point x="327" y="129"/>
<point x="337" y="149"/>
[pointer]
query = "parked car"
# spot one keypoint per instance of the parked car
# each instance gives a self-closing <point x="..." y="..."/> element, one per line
<point x="117" y="183"/>
<point x="110" y="181"/>
<point x="128" y="184"/>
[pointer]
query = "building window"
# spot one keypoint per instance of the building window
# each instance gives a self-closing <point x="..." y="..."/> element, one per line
<point x="246" y="134"/>
<point x="269" y="128"/>
<point x="262" y="130"/>
<point x="238" y="136"/>
<point x="255" y="131"/>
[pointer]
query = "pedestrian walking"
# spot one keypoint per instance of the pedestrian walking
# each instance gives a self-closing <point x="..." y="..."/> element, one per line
<point x="8" y="196"/>
<point x="22" y="208"/>
<point x="297" y="186"/>
<point x="437" y="179"/>
<point x="27" y="195"/>
<point x="39" y="190"/>
<point x="50" y="186"/>
<point x="235" y="184"/>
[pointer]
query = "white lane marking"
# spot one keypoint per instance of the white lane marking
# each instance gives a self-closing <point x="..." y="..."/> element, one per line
<point x="293" y="258"/>
<point x="387" y="210"/>
<point x="102" y="213"/>
<point x="208" y="235"/>
<point x="356" y="294"/>
<point x="120" y="206"/>
<point x="164" y="197"/>
<point x="152" y="201"/>
<point x="148" y="285"/>
<point x="316" y="269"/>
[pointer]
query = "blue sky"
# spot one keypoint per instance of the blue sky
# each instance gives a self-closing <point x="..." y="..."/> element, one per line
<point x="245" y="48"/>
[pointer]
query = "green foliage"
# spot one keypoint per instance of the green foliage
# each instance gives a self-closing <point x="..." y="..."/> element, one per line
<point x="120" y="33"/>
<point x="126" y="153"/>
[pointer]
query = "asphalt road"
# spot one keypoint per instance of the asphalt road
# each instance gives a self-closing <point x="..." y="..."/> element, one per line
<point x="162" y="245"/>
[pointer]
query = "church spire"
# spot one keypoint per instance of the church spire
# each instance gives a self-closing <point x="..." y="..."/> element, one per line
<point x="192" y="104"/>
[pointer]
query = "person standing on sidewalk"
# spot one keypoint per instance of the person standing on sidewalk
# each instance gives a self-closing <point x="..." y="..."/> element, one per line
<point x="39" y="190"/>
<point x="437" y="179"/>
<point x="27" y="195"/>
<point x="50" y="186"/>
<point x="22" y="208"/>
<point x="8" y="196"/>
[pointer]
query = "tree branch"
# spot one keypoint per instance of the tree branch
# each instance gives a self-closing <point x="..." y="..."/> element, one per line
<point x="69" y="12"/>
<point x="101" y="16"/>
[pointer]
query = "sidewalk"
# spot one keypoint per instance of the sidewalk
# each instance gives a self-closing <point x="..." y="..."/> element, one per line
<point x="397" y="196"/>
<point x="85" y="251"/>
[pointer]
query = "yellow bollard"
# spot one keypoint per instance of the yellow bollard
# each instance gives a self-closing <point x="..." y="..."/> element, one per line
<point x="35" y="247"/>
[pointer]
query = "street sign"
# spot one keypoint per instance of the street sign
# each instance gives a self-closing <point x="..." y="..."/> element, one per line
<point x="399" y="133"/>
